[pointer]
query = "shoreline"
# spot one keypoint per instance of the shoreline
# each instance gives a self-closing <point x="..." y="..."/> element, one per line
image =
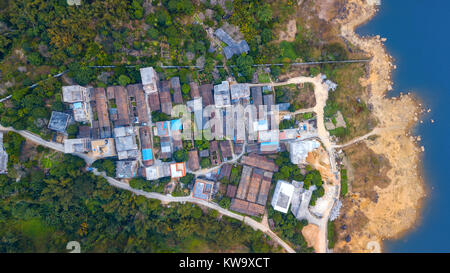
<point x="401" y="206"/>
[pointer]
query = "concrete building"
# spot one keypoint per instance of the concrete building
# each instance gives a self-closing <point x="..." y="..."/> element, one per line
<point x="79" y="97"/>
<point x="166" y="148"/>
<point x="103" y="148"/>
<point x="299" y="150"/>
<point x="282" y="196"/>
<point x="239" y="91"/>
<point x="269" y="147"/>
<point x="178" y="170"/>
<point x="73" y="2"/>
<point x="126" y="145"/>
<point x="58" y="121"/>
<point x="288" y="134"/>
<point x="268" y="136"/>
<point x="77" y="145"/>
<point x="126" y="169"/>
<point x="163" y="128"/>
<point x="76" y="93"/>
<point x="222" y="94"/>
<point x="149" y="79"/>
<point x="157" y="171"/>
<point x="260" y="125"/>
<point x="203" y="189"/>
<point x="204" y="153"/>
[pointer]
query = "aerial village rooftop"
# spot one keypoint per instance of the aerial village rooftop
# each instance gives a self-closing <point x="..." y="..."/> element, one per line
<point x="117" y="123"/>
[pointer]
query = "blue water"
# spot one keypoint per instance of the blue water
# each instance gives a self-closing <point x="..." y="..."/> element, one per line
<point x="418" y="37"/>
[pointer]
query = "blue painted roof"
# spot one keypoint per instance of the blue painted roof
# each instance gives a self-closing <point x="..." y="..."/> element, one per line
<point x="269" y="143"/>
<point x="77" y="105"/>
<point x="175" y="125"/>
<point x="147" y="154"/>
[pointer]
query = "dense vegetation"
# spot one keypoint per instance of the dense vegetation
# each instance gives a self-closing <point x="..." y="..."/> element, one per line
<point x="289" y="228"/>
<point x="288" y="171"/>
<point x="106" y="165"/>
<point x="46" y="209"/>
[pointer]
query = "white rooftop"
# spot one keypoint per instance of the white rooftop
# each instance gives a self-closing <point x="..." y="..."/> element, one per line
<point x="282" y="196"/>
<point x="177" y="169"/>
<point x="157" y="171"/>
<point x="239" y="90"/>
<point x="74" y="93"/>
<point x="299" y="150"/>
<point x="147" y="75"/>
<point x="149" y="79"/>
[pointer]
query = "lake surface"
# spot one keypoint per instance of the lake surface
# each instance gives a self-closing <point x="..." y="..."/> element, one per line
<point x="418" y="37"/>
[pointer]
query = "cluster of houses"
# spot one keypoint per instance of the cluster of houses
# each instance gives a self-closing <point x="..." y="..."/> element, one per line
<point x="114" y="121"/>
<point x="253" y="189"/>
<point x="117" y="122"/>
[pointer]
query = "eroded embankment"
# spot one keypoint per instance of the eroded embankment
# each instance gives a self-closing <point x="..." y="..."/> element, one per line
<point x="382" y="209"/>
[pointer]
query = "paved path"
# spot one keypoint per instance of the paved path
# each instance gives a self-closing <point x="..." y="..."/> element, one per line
<point x="375" y="131"/>
<point x="35" y="138"/>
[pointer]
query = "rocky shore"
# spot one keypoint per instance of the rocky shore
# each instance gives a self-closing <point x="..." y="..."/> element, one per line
<point x="398" y="205"/>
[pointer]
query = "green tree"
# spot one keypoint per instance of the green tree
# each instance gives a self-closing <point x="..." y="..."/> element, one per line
<point x="225" y="202"/>
<point x="72" y="130"/>
<point x="124" y="80"/>
<point x="264" y="13"/>
<point x="180" y="155"/>
<point x="185" y="89"/>
<point x="244" y="63"/>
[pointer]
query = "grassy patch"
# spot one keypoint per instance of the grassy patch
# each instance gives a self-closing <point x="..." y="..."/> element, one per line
<point x="36" y="231"/>
<point x="331" y="235"/>
<point x="263" y="77"/>
<point x="344" y="182"/>
<point x="349" y="99"/>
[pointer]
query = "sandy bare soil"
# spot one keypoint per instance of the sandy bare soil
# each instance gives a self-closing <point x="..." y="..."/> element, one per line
<point x="399" y="203"/>
<point x="311" y="233"/>
<point x="291" y="31"/>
